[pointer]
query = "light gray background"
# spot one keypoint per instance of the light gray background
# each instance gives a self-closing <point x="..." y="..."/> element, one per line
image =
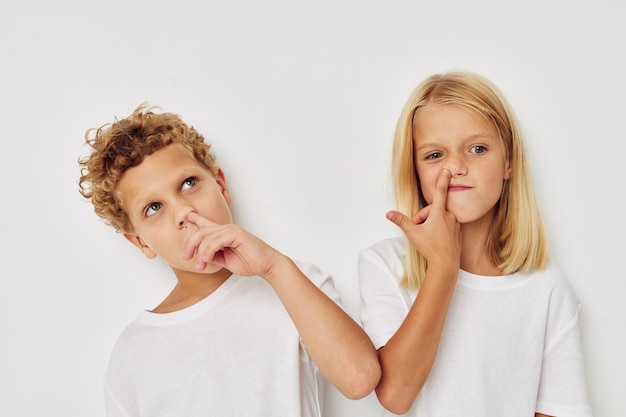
<point x="300" y="100"/>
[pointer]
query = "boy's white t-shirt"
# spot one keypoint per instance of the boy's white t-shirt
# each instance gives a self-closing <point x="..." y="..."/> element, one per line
<point x="235" y="353"/>
<point x="510" y="345"/>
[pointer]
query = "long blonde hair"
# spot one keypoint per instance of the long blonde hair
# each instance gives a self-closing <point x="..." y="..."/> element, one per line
<point x="517" y="241"/>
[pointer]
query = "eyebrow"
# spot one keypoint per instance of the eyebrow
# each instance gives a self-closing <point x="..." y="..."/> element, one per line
<point x="467" y="138"/>
<point x="144" y="198"/>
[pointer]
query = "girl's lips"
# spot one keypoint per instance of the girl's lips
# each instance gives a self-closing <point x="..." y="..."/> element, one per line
<point x="458" y="187"/>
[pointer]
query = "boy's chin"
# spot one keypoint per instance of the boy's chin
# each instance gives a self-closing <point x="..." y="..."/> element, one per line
<point x="191" y="268"/>
<point x="211" y="269"/>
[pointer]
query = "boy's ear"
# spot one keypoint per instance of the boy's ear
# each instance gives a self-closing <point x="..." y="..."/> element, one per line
<point x="221" y="181"/>
<point x="138" y="242"/>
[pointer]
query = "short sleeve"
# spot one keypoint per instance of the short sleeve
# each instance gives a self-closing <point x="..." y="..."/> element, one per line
<point x="383" y="304"/>
<point x="120" y="399"/>
<point x="112" y="405"/>
<point x="562" y="389"/>
<point x="322" y="280"/>
<point x="326" y="284"/>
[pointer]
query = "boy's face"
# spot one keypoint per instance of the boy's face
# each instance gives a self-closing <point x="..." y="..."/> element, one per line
<point x="159" y="193"/>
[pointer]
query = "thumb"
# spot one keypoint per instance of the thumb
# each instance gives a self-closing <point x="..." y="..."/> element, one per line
<point x="398" y="219"/>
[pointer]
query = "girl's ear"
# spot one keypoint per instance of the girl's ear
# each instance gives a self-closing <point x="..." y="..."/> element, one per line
<point x="220" y="178"/>
<point x="138" y="242"/>
<point x="507" y="169"/>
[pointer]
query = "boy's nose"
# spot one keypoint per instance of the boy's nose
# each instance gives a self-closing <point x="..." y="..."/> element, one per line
<point x="182" y="217"/>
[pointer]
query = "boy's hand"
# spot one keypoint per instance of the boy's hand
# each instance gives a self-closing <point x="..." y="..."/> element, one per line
<point x="230" y="247"/>
<point x="433" y="231"/>
<point x="339" y="347"/>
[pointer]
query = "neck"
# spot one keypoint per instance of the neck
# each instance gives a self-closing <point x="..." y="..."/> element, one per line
<point x="475" y="257"/>
<point x="191" y="288"/>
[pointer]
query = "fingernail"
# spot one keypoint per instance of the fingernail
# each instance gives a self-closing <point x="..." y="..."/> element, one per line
<point x="394" y="218"/>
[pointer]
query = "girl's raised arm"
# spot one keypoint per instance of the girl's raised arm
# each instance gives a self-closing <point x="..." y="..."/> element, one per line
<point x="408" y="357"/>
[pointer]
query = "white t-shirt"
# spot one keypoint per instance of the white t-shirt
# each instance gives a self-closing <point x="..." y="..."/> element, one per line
<point x="510" y="345"/>
<point x="235" y="353"/>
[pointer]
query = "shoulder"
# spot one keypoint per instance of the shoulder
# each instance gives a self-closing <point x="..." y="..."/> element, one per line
<point x="391" y="248"/>
<point x="381" y="265"/>
<point x="562" y="304"/>
<point x="125" y="349"/>
<point x="131" y="333"/>
<point x="563" y="295"/>
<point x="553" y="280"/>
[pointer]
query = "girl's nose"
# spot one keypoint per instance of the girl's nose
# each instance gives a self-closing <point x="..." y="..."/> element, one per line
<point x="456" y="166"/>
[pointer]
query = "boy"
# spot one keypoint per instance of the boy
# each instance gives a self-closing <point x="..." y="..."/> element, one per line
<point x="246" y="329"/>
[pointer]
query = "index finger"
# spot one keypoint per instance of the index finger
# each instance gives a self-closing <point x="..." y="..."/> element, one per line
<point x="199" y="221"/>
<point x="441" y="191"/>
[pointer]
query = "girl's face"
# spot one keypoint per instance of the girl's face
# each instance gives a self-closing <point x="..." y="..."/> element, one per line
<point x="462" y="142"/>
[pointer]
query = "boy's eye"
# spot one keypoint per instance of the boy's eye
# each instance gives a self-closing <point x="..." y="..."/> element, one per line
<point x="189" y="182"/>
<point x="152" y="209"/>
<point x="478" y="149"/>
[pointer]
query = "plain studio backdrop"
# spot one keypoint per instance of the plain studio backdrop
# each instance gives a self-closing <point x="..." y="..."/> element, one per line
<point x="299" y="100"/>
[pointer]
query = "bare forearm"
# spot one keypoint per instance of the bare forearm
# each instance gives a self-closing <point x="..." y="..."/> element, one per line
<point x="408" y="357"/>
<point x="340" y="348"/>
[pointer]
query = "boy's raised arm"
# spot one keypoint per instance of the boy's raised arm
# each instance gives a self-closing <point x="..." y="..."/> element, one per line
<point x="339" y="347"/>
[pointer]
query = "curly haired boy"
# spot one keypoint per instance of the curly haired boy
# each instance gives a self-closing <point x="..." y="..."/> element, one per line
<point x="246" y="330"/>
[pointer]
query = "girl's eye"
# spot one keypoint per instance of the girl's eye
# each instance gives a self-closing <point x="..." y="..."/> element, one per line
<point x="478" y="149"/>
<point x="152" y="209"/>
<point x="434" y="155"/>
<point x="189" y="182"/>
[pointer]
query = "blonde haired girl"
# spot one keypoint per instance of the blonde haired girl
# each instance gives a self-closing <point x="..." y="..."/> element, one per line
<point x="468" y="314"/>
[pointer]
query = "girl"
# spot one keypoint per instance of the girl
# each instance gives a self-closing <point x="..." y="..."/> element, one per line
<point x="469" y="316"/>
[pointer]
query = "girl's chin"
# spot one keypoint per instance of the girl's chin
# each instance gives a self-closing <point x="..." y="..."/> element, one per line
<point x="464" y="219"/>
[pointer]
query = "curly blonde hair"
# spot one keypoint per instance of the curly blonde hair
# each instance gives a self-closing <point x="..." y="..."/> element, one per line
<point x="123" y="144"/>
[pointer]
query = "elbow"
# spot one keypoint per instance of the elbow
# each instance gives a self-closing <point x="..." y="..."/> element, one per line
<point x="394" y="400"/>
<point x="363" y="382"/>
<point x="395" y="405"/>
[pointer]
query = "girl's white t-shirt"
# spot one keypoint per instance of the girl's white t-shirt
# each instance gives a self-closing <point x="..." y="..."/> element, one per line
<point x="510" y="345"/>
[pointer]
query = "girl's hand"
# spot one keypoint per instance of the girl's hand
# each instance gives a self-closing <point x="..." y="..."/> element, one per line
<point x="408" y="356"/>
<point x="230" y="247"/>
<point x="433" y="231"/>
